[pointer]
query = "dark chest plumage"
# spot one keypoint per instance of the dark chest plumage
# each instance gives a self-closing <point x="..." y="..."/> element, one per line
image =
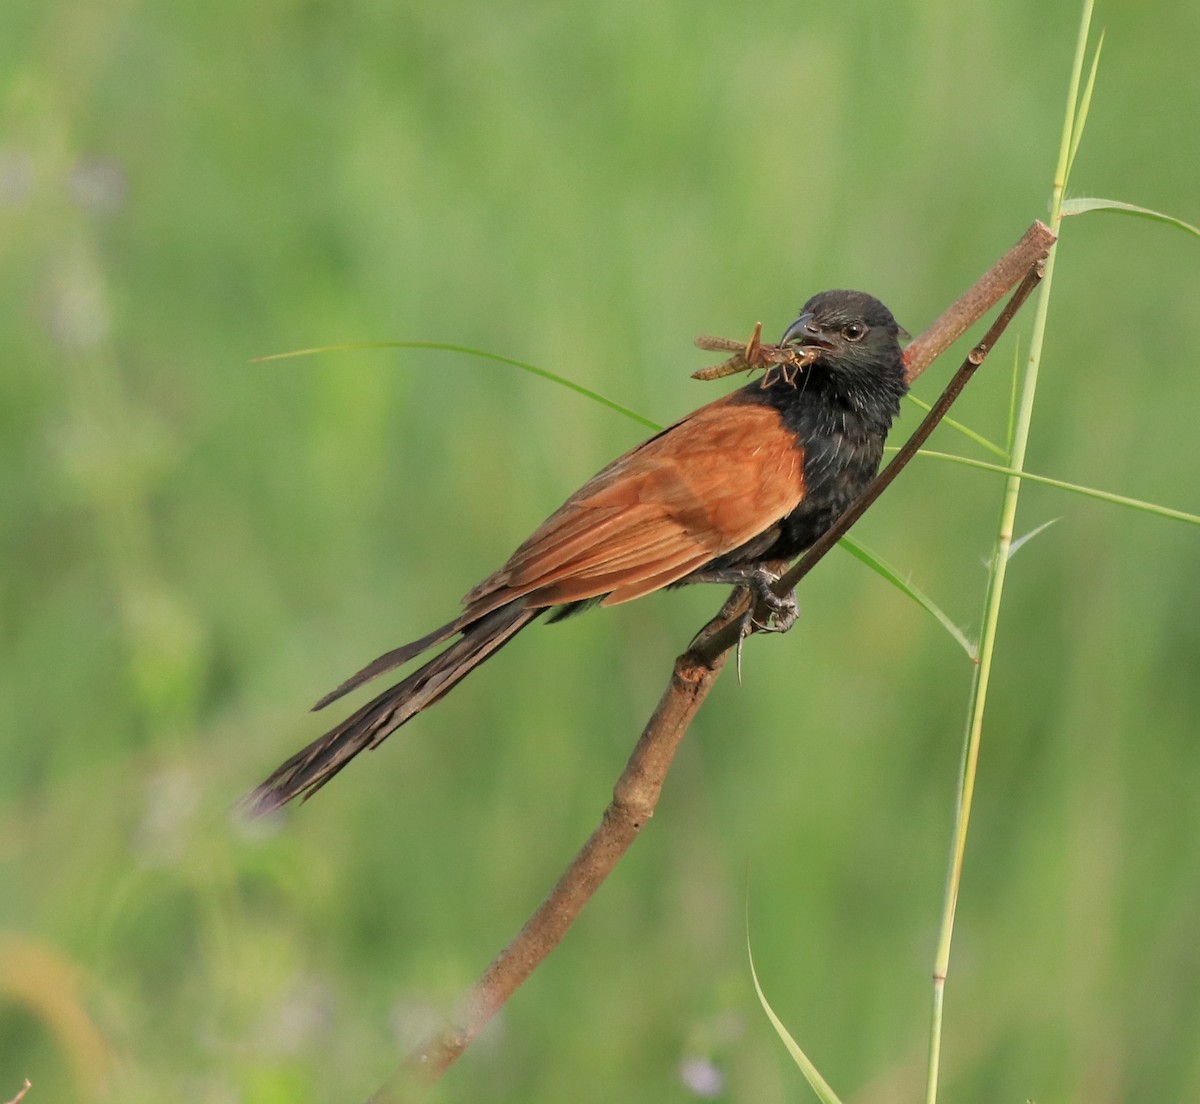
<point x="841" y="431"/>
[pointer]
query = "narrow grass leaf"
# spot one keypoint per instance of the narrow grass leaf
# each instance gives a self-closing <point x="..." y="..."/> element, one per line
<point x="441" y="346"/>
<point x="1082" y="205"/>
<point x="859" y="551"/>
<point x="1085" y="103"/>
<point x="811" y="1074"/>
<point x="1075" y="488"/>
<point x="881" y="567"/>
<point x="1012" y="402"/>
<point x="1020" y="542"/>
<point x="966" y="431"/>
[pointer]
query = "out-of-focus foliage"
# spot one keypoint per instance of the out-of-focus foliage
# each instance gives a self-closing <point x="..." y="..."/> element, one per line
<point x="195" y="547"/>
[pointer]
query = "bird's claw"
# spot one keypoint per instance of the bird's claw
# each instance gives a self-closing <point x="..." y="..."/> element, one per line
<point x="782" y="612"/>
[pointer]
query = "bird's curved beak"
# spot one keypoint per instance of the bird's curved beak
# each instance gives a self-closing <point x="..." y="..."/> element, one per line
<point x="805" y="331"/>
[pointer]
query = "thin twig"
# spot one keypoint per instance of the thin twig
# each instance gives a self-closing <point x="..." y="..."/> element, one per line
<point x="21" y="1095"/>
<point x="637" y="790"/>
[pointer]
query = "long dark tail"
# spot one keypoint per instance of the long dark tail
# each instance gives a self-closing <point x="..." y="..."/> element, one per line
<point x="308" y="770"/>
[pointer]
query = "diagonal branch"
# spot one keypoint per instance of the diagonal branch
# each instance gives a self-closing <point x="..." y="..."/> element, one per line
<point x="637" y="790"/>
<point x="1033" y="246"/>
<point x="720" y="641"/>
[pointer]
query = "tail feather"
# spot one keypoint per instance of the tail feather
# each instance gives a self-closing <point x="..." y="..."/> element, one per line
<point x="389" y="661"/>
<point x="309" y="769"/>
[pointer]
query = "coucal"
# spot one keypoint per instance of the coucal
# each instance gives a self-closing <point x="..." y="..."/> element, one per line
<point x="726" y="495"/>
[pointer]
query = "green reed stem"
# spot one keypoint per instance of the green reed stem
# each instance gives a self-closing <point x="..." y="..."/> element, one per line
<point x="1072" y="127"/>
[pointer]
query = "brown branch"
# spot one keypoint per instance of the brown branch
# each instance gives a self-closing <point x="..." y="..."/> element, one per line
<point x="21" y="1095"/>
<point x="637" y="790"/>
<point x="634" y="799"/>
<point x="727" y="637"/>
<point x="973" y="304"/>
<point x="1033" y="246"/>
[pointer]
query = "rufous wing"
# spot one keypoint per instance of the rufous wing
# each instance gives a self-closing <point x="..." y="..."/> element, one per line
<point x="699" y="489"/>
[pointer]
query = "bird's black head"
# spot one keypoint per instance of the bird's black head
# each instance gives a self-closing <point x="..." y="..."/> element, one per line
<point x="859" y="343"/>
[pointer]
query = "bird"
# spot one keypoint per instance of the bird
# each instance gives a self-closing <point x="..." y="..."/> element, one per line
<point x="729" y="494"/>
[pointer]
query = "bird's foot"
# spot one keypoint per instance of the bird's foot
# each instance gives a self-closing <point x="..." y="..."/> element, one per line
<point x="782" y="612"/>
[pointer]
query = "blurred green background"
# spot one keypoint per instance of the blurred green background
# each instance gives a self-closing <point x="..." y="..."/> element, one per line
<point x="195" y="547"/>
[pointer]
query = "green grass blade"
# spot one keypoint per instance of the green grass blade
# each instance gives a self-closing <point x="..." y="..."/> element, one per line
<point x="966" y="431"/>
<point x="1012" y="401"/>
<point x="442" y="346"/>
<point x="1075" y="488"/>
<point x="1083" y="206"/>
<point x="812" y="1075"/>
<point x="881" y="567"/>
<point x="1020" y="542"/>
<point x="994" y="593"/>
<point x="861" y="553"/>
<point x="1085" y="103"/>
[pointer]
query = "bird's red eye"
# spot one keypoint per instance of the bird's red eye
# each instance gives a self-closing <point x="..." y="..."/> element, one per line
<point x="853" y="331"/>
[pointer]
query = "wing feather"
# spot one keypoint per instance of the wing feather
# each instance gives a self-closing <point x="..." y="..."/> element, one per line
<point x="699" y="489"/>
